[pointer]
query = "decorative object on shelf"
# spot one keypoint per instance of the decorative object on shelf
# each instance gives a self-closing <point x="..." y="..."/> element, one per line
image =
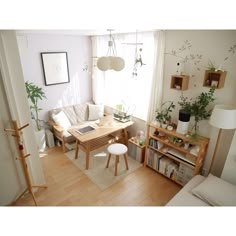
<point x="111" y="61"/>
<point x="163" y="115"/>
<point x="214" y="79"/>
<point x="211" y="66"/>
<point x="18" y="135"/>
<point x="198" y="108"/>
<point x="123" y="113"/>
<point x="55" y="68"/>
<point x="140" y="137"/>
<point x="222" y="117"/>
<point x="183" y="122"/>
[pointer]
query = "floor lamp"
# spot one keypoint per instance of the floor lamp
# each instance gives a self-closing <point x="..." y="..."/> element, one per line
<point x="222" y="117"/>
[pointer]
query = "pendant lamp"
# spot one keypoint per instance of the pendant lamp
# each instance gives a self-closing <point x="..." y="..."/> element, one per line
<point x="111" y="61"/>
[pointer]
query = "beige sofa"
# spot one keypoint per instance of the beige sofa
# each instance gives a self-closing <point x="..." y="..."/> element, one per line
<point x="64" y="118"/>
<point x="205" y="191"/>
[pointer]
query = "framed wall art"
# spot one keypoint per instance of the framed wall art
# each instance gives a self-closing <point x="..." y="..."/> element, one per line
<point x="55" y="68"/>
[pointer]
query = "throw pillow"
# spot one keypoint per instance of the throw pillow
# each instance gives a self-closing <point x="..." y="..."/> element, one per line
<point x="216" y="191"/>
<point x="62" y="120"/>
<point x="95" y="111"/>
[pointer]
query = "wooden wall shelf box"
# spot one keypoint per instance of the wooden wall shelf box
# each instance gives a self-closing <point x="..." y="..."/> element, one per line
<point x="173" y="160"/>
<point x="179" y="82"/>
<point x="214" y="78"/>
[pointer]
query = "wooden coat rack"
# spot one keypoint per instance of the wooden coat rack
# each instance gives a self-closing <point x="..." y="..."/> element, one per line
<point x="17" y="134"/>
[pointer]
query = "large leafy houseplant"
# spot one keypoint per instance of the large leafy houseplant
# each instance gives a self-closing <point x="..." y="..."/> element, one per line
<point x="35" y="93"/>
<point x="198" y="107"/>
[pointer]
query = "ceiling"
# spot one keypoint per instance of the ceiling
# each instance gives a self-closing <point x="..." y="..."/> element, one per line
<point x="86" y="32"/>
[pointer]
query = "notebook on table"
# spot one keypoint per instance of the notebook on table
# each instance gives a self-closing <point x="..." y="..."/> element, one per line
<point x="86" y="129"/>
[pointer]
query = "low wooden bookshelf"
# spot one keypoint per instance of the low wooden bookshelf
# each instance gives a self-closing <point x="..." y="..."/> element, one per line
<point x="167" y="153"/>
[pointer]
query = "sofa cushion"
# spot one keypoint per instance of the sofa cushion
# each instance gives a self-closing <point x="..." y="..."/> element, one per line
<point x="70" y="113"/>
<point x="81" y="111"/>
<point x="216" y="191"/>
<point x="62" y="120"/>
<point x="95" y="111"/>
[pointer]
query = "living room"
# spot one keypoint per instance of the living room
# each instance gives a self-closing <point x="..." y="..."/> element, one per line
<point x="179" y="45"/>
<point x="213" y="45"/>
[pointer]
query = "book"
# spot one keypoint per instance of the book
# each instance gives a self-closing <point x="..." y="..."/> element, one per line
<point x="85" y="130"/>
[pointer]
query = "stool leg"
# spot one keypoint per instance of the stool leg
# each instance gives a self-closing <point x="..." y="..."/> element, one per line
<point x="126" y="162"/>
<point x="117" y="160"/>
<point x="108" y="160"/>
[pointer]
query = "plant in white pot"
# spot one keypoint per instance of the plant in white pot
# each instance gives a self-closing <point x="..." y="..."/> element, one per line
<point x="163" y="115"/>
<point x="36" y="93"/>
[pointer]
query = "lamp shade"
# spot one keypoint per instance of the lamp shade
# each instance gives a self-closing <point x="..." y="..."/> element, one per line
<point x="117" y="63"/>
<point x="104" y="63"/>
<point x="224" y="117"/>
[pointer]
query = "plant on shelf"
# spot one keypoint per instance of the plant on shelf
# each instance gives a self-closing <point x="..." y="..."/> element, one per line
<point x="198" y="108"/>
<point x="35" y="93"/>
<point x="211" y="66"/>
<point x="163" y="115"/>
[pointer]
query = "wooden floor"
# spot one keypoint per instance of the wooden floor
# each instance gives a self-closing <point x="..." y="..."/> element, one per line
<point x="68" y="186"/>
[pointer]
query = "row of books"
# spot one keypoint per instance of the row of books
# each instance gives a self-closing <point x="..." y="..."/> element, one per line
<point x="155" y="143"/>
<point x="162" y="164"/>
<point x="168" y="167"/>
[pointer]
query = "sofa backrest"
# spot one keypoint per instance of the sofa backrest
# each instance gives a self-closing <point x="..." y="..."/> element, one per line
<point x="76" y="114"/>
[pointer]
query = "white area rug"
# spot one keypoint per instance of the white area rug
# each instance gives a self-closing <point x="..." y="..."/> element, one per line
<point x="98" y="173"/>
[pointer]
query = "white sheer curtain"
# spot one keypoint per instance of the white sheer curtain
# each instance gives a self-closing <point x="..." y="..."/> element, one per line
<point x="98" y="80"/>
<point x="157" y="81"/>
<point x="121" y="87"/>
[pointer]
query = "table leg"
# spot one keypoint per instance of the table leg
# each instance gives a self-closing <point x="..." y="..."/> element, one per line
<point x="87" y="155"/>
<point x="77" y="149"/>
<point x="126" y="136"/>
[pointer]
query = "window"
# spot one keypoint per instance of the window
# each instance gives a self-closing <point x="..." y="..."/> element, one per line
<point x="122" y="87"/>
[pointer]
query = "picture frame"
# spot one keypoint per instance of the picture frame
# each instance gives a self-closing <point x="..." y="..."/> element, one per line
<point x="55" y="68"/>
<point x="214" y="83"/>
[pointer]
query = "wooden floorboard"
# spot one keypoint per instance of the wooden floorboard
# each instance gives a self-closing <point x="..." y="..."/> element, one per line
<point x="68" y="186"/>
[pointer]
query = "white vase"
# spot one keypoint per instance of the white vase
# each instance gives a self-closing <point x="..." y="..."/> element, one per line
<point x="41" y="140"/>
<point x="163" y="126"/>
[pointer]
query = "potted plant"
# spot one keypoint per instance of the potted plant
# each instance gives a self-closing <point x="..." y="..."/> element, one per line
<point x="34" y="94"/>
<point x="198" y="108"/>
<point x="163" y="115"/>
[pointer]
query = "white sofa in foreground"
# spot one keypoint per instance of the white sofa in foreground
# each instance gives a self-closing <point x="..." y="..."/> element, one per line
<point x="205" y="191"/>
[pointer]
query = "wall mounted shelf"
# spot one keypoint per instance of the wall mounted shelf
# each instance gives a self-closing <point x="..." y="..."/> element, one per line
<point x="179" y="82"/>
<point x="214" y="78"/>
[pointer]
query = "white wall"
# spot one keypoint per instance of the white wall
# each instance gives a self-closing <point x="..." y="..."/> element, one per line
<point x="10" y="184"/>
<point x="78" y="50"/>
<point x="229" y="170"/>
<point x="213" y="45"/>
<point x="13" y="81"/>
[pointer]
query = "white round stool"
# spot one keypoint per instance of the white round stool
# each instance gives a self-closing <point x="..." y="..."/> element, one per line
<point x="117" y="149"/>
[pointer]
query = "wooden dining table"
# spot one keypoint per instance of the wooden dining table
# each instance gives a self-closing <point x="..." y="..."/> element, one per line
<point x="102" y="135"/>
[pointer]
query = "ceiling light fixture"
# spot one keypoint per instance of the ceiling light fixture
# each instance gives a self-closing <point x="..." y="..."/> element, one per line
<point x="111" y="61"/>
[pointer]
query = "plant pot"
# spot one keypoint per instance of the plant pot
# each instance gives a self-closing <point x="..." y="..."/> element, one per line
<point x="40" y="139"/>
<point x="163" y="126"/>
